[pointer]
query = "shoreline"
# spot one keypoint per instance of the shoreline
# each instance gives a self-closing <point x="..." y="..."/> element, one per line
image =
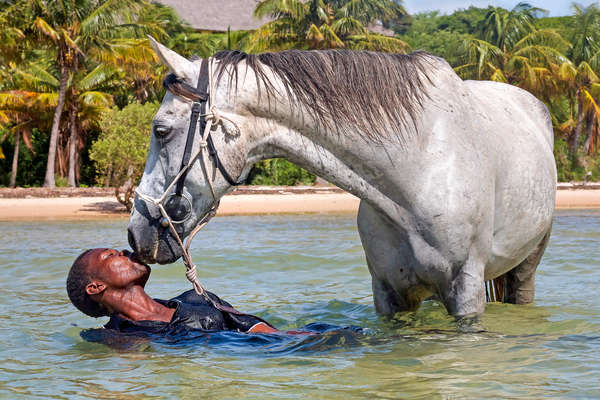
<point x="247" y="201"/>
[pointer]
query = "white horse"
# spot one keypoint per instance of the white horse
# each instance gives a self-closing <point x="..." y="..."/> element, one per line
<point x="456" y="178"/>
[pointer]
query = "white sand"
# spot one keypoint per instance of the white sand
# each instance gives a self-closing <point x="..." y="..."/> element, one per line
<point x="250" y="204"/>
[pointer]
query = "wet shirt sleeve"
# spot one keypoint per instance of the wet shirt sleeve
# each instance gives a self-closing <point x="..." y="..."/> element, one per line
<point x="232" y="322"/>
<point x="192" y="312"/>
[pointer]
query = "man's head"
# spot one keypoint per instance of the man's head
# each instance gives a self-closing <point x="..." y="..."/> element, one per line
<point x="97" y="272"/>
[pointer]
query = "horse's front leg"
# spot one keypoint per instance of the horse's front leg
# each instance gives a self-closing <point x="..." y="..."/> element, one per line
<point x="455" y="269"/>
<point x="464" y="295"/>
<point x="395" y="285"/>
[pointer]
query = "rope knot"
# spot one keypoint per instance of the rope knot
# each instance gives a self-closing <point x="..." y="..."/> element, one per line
<point x="190" y="273"/>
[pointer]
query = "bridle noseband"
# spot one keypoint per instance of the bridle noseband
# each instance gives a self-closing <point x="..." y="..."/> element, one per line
<point x="176" y="208"/>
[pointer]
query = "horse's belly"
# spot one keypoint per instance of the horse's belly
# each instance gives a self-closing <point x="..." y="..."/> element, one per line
<point x="523" y="215"/>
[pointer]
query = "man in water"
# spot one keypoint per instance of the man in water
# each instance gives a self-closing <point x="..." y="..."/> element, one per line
<point x="107" y="282"/>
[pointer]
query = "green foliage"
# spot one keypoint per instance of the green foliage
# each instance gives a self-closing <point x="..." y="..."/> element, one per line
<point x="566" y="26"/>
<point x="325" y="24"/>
<point x="121" y="149"/>
<point x="32" y="165"/>
<point x="277" y="171"/>
<point x="443" y="43"/>
<point x="60" y="181"/>
<point x="557" y="58"/>
<point x="568" y="170"/>
<point x="444" y="35"/>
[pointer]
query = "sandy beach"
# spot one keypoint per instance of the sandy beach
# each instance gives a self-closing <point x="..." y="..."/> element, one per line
<point x="267" y="201"/>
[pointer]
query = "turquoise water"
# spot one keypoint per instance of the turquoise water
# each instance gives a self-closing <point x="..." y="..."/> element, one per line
<point x="294" y="270"/>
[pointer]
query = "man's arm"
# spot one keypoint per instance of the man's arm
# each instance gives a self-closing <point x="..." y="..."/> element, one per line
<point x="261" y="327"/>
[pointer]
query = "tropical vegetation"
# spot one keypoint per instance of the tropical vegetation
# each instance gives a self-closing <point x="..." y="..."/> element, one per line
<point x="121" y="149"/>
<point x="73" y="71"/>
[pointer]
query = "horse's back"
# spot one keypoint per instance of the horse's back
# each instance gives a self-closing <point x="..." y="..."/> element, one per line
<point x="519" y="129"/>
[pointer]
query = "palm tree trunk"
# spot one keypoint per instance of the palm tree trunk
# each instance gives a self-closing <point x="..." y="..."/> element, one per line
<point x="15" y="162"/>
<point x="577" y="133"/>
<point x="72" y="148"/>
<point x="589" y="128"/>
<point x="62" y="92"/>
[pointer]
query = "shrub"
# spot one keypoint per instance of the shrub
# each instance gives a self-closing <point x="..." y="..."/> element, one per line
<point x="278" y="171"/>
<point x="121" y="149"/>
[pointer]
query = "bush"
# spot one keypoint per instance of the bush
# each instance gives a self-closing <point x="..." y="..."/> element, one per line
<point x="278" y="171"/>
<point x="32" y="166"/>
<point x="122" y="147"/>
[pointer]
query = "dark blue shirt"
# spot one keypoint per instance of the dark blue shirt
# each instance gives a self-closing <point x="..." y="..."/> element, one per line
<point x="192" y="312"/>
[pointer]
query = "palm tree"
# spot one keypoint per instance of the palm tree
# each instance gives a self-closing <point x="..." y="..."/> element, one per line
<point x="20" y="112"/>
<point x="511" y="50"/>
<point x="87" y="100"/>
<point x="582" y="86"/>
<point x="579" y="77"/>
<point x="78" y="30"/>
<point x="504" y="28"/>
<point x="319" y="24"/>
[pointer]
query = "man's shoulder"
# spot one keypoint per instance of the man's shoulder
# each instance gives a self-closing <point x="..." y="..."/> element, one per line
<point x="191" y="297"/>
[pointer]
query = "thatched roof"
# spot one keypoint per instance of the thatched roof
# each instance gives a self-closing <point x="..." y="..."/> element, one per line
<point x="216" y="15"/>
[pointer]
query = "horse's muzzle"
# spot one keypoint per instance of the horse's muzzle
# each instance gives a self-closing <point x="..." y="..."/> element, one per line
<point x="151" y="241"/>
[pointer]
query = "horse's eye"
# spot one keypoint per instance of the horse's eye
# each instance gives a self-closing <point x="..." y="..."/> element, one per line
<point x="161" y="130"/>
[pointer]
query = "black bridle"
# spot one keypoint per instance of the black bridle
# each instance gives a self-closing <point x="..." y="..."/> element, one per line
<point x="172" y="207"/>
<point x="200" y="98"/>
<point x="178" y="207"/>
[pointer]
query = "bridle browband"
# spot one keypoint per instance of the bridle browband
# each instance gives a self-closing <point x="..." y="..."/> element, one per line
<point x="170" y="205"/>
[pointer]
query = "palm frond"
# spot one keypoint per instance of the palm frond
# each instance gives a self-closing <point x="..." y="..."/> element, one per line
<point x="110" y="14"/>
<point x="542" y="54"/>
<point x="96" y="77"/>
<point x="36" y="77"/>
<point x="97" y="99"/>
<point x="589" y="103"/>
<point x="46" y="29"/>
<point x="47" y="100"/>
<point x="314" y="37"/>
<point x="567" y="73"/>
<point x="595" y="90"/>
<point x="367" y="11"/>
<point x="70" y="42"/>
<point x="375" y="42"/>
<point x="280" y="34"/>
<point x="294" y="9"/>
<point x="543" y="37"/>
<point x="330" y="39"/>
<point x="347" y="26"/>
<point x="586" y="74"/>
<point x="498" y="76"/>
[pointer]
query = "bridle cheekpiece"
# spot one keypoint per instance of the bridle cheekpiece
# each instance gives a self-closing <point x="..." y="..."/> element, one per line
<point x="176" y="208"/>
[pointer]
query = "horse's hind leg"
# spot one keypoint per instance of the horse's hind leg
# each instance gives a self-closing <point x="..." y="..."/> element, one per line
<point x="519" y="283"/>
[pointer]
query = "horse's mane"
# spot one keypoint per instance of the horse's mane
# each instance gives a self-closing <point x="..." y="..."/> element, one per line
<point x="367" y="92"/>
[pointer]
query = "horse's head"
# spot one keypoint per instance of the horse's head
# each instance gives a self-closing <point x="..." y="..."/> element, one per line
<point x="185" y="196"/>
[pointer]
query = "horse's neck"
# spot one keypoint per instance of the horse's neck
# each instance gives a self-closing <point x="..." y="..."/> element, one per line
<point x="281" y="141"/>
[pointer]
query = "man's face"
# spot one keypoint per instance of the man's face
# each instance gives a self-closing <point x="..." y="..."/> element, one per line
<point x="117" y="269"/>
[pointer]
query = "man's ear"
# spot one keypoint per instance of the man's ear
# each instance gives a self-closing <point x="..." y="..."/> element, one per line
<point x="95" y="287"/>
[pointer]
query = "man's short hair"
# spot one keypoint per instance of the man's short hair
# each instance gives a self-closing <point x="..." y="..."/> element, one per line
<point x="77" y="280"/>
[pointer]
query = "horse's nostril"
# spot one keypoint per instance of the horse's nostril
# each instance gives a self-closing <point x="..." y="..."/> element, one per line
<point x="131" y="240"/>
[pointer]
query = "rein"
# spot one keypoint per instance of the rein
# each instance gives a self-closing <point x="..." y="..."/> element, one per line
<point x="200" y="96"/>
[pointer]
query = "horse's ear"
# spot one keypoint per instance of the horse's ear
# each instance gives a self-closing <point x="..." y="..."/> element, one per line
<point x="180" y="66"/>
